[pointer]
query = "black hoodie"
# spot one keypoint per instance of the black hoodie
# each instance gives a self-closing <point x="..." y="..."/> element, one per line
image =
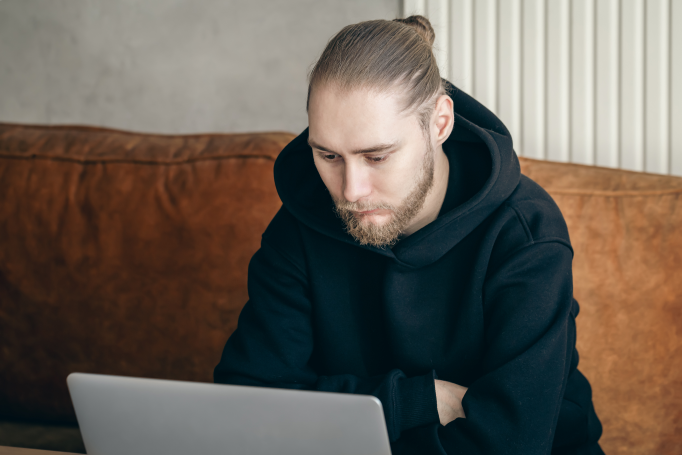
<point x="481" y="297"/>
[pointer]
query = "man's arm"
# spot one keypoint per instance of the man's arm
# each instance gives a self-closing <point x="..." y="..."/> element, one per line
<point x="530" y="335"/>
<point x="449" y="397"/>
<point x="273" y="344"/>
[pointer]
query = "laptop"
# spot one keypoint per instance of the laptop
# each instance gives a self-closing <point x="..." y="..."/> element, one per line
<point x="129" y="416"/>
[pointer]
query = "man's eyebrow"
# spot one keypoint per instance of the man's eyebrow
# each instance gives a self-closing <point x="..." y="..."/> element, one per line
<point x="373" y="149"/>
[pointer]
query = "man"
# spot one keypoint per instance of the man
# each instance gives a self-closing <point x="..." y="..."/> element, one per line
<point x="412" y="261"/>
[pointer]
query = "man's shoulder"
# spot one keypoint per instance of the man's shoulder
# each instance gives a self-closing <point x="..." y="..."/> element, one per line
<point x="284" y="235"/>
<point x="528" y="217"/>
<point x="537" y="212"/>
<point x="282" y="225"/>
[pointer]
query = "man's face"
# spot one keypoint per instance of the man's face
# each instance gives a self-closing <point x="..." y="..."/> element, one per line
<point x="374" y="160"/>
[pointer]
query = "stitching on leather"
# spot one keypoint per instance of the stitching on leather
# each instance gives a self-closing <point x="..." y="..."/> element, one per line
<point x="133" y="160"/>
<point x="623" y="193"/>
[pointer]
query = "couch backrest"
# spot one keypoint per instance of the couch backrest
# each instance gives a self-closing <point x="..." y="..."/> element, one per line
<point x="626" y="231"/>
<point x="123" y="253"/>
<point x="126" y="253"/>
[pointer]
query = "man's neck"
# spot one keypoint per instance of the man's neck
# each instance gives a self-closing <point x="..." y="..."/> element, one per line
<point x="434" y="200"/>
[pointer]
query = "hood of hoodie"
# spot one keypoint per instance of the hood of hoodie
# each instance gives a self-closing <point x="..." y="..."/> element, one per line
<point x="305" y="196"/>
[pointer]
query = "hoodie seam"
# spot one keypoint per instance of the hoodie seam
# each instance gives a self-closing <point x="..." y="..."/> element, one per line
<point x="532" y="239"/>
<point x="523" y="222"/>
<point x="517" y="250"/>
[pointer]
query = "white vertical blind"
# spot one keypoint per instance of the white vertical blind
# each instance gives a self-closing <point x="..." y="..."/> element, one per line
<point x="462" y="44"/>
<point x="509" y="65"/>
<point x="411" y="7"/>
<point x="607" y="87"/>
<point x="485" y="52"/>
<point x="675" y="27"/>
<point x="438" y="9"/>
<point x="632" y="85"/>
<point x="582" y="82"/>
<point x="558" y="81"/>
<point x="656" y="86"/>
<point x="533" y="79"/>
<point x="587" y="81"/>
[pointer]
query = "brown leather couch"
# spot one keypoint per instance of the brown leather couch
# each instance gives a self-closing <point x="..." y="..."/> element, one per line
<point x="127" y="253"/>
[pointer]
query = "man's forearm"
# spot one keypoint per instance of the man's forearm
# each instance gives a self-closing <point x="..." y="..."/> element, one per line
<point x="449" y="397"/>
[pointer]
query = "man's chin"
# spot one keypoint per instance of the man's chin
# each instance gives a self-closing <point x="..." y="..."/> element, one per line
<point x="374" y="219"/>
<point x="371" y="229"/>
<point x="379" y="234"/>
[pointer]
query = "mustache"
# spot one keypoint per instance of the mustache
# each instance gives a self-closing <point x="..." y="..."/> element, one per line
<point x="361" y="206"/>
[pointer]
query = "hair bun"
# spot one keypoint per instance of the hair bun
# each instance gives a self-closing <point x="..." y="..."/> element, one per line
<point x="422" y="26"/>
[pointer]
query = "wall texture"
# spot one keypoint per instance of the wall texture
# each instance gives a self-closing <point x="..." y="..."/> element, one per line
<point x="167" y="66"/>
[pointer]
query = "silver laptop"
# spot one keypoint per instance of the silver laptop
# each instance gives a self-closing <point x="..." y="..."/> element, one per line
<point x="129" y="416"/>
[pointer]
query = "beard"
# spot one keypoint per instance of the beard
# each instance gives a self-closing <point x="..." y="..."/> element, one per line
<point x="388" y="233"/>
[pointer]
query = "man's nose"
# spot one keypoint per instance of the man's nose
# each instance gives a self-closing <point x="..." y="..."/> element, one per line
<point x="356" y="183"/>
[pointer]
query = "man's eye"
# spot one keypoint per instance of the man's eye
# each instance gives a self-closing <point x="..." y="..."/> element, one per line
<point x="377" y="159"/>
<point x="329" y="156"/>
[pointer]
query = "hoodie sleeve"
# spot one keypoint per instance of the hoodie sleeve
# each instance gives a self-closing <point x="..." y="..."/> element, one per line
<point x="273" y="344"/>
<point x="514" y="404"/>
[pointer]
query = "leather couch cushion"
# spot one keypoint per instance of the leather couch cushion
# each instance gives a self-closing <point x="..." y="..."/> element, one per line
<point x="123" y="253"/>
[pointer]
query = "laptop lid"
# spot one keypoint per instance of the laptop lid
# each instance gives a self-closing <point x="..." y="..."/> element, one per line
<point x="128" y="416"/>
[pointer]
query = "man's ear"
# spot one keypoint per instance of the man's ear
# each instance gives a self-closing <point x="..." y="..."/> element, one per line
<point x="444" y="117"/>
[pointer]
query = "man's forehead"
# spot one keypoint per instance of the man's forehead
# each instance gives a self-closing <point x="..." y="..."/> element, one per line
<point x="357" y="121"/>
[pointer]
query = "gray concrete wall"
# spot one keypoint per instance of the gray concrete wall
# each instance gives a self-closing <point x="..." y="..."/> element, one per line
<point x="167" y="66"/>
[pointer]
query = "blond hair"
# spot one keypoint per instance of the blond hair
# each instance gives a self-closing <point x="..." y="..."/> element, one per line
<point x="383" y="55"/>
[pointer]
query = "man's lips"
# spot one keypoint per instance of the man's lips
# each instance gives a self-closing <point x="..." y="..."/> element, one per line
<point x="372" y="212"/>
